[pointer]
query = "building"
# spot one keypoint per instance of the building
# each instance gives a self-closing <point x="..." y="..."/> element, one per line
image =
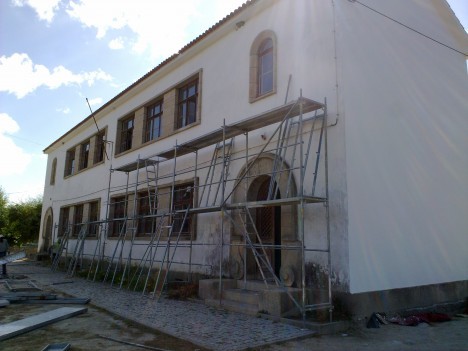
<point x="331" y="132"/>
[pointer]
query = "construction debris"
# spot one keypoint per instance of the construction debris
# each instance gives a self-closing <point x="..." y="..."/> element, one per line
<point x="21" y="286"/>
<point x="57" y="347"/>
<point x="13" y="257"/>
<point x="131" y="343"/>
<point x="25" y="325"/>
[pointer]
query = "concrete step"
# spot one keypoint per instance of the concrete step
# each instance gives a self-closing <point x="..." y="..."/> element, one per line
<point x="234" y="306"/>
<point x="254" y="285"/>
<point x="243" y="296"/>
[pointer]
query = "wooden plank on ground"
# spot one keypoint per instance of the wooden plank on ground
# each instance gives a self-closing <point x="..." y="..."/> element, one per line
<point x="25" y="325"/>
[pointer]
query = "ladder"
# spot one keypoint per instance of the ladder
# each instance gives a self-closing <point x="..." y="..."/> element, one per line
<point x="98" y="253"/>
<point x="63" y="246"/>
<point x="118" y="251"/>
<point x="78" y="250"/>
<point x="164" y="273"/>
<point x="221" y="156"/>
<point x="257" y="248"/>
<point x="148" y="258"/>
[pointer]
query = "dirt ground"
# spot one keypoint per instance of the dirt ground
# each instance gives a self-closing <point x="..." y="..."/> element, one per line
<point x="83" y="331"/>
<point x="452" y="335"/>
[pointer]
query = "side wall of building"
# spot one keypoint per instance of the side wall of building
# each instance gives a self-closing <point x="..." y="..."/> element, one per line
<point x="404" y="98"/>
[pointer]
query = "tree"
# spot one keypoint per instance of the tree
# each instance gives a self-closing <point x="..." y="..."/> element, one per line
<point x="3" y="211"/>
<point x="24" y="220"/>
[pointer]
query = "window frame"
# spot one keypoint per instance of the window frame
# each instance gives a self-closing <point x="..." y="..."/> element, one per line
<point x="70" y="162"/>
<point x="64" y="219"/>
<point x="53" y="171"/>
<point x="265" y="52"/>
<point x="99" y="147"/>
<point x="93" y="218"/>
<point x="85" y="148"/>
<point x="180" y="202"/>
<point x="257" y="53"/>
<point x="126" y="133"/>
<point x="118" y="207"/>
<point x="78" y="211"/>
<point x="145" y="223"/>
<point x="184" y="101"/>
<point x="150" y="118"/>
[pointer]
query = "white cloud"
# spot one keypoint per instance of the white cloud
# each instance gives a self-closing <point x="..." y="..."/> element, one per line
<point x="45" y="9"/>
<point x="116" y="44"/>
<point x="15" y="161"/>
<point x="160" y="26"/>
<point x="20" y="76"/>
<point x="95" y="101"/>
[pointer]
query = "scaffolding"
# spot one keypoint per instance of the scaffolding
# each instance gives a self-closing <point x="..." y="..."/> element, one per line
<point x="296" y="146"/>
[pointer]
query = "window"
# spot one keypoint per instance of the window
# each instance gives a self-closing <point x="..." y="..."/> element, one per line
<point x="77" y="219"/>
<point x="93" y="218"/>
<point x="84" y="155"/>
<point x="126" y="134"/>
<point x="53" y="171"/>
<point x="99" y="147"/>
<point x="263" y="66"/>
<point x="187" y="104"/>
<point x="118" y="214"/>
<point x="70" y="162"/>
<point x="63" y="220"/>
<point x="183" y="199"/>
<point x="153" y="121"/>
<point x="146" y="203"/>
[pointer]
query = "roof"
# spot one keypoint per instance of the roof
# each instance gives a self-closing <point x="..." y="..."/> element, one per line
<point x="167" y="61"/>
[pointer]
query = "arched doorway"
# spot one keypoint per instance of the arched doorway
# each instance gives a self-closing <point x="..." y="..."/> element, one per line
<point x="47" y="230"/>
<point x="268" y="224"/>
<point x="278" y="223"/>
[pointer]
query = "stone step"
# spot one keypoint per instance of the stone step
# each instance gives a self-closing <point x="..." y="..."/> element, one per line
<point x="243" y="296"/>
<point x="254" y="285"/>
<point x="234" y="306"/>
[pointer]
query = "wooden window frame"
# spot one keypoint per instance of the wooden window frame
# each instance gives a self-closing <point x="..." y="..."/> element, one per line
<point x="151" y="117"/>
<point x="99" y="147"/>
<point x="70" y="162"/>
<point x="84" y="154"/>
<point x="184" y="99"/>
<point x="126" y="133"/>
<point x="93" y="218"/>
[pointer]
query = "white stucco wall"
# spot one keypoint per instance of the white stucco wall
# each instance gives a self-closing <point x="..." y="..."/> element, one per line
<point x="406" y="108"/>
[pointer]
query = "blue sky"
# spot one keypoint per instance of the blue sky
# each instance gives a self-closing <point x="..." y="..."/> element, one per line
<point x="56" y="53"/>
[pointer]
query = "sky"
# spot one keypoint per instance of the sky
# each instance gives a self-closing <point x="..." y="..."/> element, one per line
<point x="56" y="53"/>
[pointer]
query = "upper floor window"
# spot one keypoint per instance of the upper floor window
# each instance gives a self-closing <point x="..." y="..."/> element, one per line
<point x="263" y="66"/>
<point x="53" y="171"/>
<point x="84" y="155"/>
<point x="153" y="121"/>
<point x="99" y="147"/>
<point x="126" y="134"/>
<point x="70" y="162"/>
<point x="187" y="104"/>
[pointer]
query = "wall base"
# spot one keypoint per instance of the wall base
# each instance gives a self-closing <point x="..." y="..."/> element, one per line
<point x="441" y="297"/>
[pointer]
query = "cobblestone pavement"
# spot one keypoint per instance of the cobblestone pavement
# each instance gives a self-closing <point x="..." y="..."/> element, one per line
<point x="202" y="325"/>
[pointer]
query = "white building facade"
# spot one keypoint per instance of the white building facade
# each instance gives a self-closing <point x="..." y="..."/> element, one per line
<point x="372" y="204"/>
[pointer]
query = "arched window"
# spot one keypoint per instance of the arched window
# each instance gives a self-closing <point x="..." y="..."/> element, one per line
<point x="53" y="171"/>
<point x="263" y="66"/>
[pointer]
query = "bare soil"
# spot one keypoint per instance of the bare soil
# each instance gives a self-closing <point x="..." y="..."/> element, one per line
<point x="83" y="331"/>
